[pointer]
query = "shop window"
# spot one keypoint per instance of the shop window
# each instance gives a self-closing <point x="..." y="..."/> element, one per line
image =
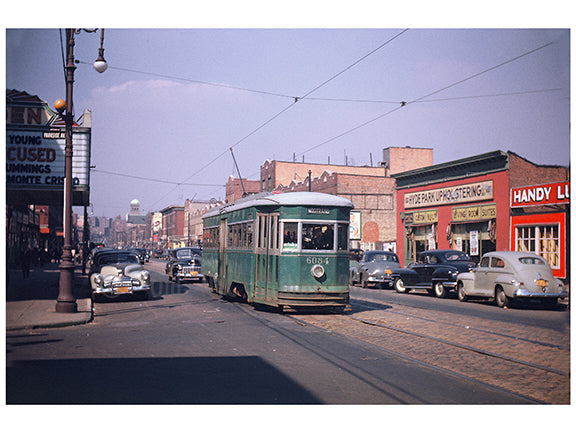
<point x="461" y="238"/>
<point x="543" y="240"/>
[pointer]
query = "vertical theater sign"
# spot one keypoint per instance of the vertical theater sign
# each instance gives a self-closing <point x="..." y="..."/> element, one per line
<point x="539" y="223"/>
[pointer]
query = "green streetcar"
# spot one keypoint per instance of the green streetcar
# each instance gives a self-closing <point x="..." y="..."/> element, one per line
<point x="286" y="250"/>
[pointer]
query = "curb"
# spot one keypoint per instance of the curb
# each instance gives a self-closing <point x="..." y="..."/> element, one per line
<point x="42" y="314"/>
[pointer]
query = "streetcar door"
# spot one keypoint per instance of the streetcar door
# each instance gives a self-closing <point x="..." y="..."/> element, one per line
<point x="221" y="280"/>
<point x="266" y="256"/>
<point x="272" y="257"/>
<point x="262" y="234"/>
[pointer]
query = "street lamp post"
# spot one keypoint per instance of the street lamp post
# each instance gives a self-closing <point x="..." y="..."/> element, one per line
<point x="66" y="302"/>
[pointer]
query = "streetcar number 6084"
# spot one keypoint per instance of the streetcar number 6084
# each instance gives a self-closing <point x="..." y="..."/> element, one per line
<point x="317" y="260"/>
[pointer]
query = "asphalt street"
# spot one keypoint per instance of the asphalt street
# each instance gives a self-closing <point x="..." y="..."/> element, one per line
<point x="185" y="345"/>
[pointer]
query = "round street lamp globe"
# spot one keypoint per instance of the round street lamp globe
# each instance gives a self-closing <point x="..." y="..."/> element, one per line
<point x="100" y="65"/>
<point x="60" y="105"/>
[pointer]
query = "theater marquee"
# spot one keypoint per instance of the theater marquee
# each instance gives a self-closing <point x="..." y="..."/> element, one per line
<point x="35" y="163"/>
<point x="450" y="195"/>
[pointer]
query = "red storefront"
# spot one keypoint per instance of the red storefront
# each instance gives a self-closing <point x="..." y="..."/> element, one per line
<point x="465" y="204"/>
<point x="539" y="223"/>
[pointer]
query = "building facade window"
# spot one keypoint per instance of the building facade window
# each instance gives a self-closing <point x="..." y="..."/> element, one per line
<point x="540" y="239"/>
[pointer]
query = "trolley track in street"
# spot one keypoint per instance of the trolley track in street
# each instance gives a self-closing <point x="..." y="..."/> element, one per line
<point x="477" y="350"/>
<point x="368" y="305"/>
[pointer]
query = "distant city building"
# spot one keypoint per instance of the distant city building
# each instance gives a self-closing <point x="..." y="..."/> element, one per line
<point x="135" y="207"/>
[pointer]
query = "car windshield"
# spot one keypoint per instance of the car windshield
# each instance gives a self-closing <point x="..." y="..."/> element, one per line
<point x="380" y="257"/>
<point x="456" y="256"/>
<point x="187" y="253"/>
<point x="108" y="259"/>
<point x="531" y="261"/>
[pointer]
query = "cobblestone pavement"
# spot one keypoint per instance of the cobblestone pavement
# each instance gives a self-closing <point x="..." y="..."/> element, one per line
<point x="528" y="360"/>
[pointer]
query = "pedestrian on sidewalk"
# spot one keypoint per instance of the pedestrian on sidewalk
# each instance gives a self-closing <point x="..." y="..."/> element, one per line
<point x="57" y="255"/>
<point x="25" y="259"/>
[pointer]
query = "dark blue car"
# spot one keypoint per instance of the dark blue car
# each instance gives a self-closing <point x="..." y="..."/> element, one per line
<point x="436" y="271"/>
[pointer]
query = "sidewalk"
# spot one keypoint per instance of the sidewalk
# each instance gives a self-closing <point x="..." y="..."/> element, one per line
<point x="31" y="302"/>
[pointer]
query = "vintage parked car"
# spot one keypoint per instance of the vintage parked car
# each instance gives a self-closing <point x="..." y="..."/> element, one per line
<point x="118" y="272"/>
<point x="435" y="271"/>
<point x="374" y="268"/>
<point x="511" y="275"/>
<point x="184" y="264"/>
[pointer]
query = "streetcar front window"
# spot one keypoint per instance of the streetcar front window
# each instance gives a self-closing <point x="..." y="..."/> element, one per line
<point x="290" y="241"/>
<point x="318" y="237"/>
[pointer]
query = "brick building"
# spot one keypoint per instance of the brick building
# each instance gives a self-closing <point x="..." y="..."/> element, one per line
<point x="173" y="226"/>
<point x="236" y="188"/>
<point x="400" y="159"/>
<point x="466" y="205"/>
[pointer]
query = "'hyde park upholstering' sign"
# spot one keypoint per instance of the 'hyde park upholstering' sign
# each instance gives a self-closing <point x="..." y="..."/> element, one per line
<point x="450" y="195"/>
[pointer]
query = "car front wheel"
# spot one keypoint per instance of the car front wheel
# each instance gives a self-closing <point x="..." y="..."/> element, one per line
<point x="461" y="295"/>
<point x="399" y="285"/>
<point x="439" y="290"/>
<point x="501" y="299"/>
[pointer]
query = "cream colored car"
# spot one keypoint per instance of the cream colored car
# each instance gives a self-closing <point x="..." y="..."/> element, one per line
<point x="510" y="275"/>
<point x="119" y="272"/>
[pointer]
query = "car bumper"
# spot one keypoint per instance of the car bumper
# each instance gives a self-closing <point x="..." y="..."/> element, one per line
<point x="124" y="290"/>
<point x="524" y="293"/>
<point x="188" y="275"/>
<point x="386" y="279"/>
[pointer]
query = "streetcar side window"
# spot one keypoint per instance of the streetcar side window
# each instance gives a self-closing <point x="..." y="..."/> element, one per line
<point x="211" y="237"/>
<point x="248" y="234"/>
<point x="318" y="237"/>
<point x="290" y="240"/>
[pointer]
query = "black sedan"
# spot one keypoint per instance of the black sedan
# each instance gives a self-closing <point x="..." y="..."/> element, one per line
<point x="436" y="271"/>
<point x="184" y="264"/>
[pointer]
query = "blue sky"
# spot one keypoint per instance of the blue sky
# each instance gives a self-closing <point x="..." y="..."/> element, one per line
<point x="174" y="101"/>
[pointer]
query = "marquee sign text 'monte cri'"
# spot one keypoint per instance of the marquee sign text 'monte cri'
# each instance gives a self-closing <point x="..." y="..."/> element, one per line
<point x="35" y="159"/>
<point x="450" y="195"/>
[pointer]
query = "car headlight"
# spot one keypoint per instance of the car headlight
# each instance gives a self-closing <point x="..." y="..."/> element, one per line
<point x="317" y="271"/>
<point x="98" y="280"/>
<point x="145" y="277"/>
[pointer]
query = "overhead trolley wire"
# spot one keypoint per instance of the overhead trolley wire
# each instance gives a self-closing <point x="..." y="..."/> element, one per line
<point x="153" y="180"/>
<point x="492" y="95"/>
<point x="296" y="99"/>
<point x="190" y="80"/>
<point x="420" y="99"/>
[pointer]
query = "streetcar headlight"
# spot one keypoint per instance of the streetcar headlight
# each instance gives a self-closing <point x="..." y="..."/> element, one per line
<point x="317" y="271"/>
